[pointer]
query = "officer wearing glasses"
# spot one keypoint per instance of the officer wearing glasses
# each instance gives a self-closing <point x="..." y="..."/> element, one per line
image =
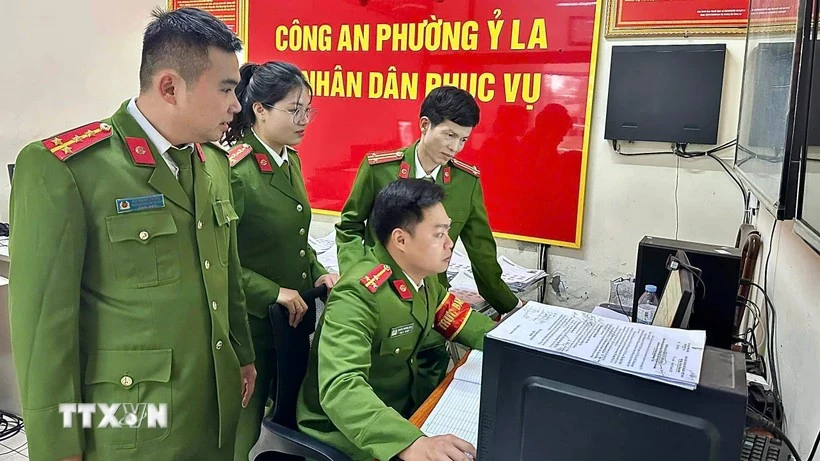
<point x="273" y="212"/>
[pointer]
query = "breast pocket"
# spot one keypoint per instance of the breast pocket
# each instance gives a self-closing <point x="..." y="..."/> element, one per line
<point x="144" y="248"/>
<point x="139" y="382"/>
<point x="224" y="214"/>
<point x="399" y="347"/>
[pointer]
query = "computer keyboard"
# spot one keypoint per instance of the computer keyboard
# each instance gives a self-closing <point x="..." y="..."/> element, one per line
<point x="760" y="448"/>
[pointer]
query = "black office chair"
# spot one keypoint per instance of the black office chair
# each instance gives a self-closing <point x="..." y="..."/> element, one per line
<point x="280" y="439"/>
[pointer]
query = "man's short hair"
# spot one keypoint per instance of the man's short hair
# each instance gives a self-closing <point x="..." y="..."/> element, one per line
<point x="401" y="205"/>
<point x="450" y="103"/>
<point x="180" y="40"/>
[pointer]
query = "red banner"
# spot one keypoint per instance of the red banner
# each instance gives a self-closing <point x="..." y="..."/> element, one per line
<point x="231" y="12"/>
<point x="660" y="17"/>
<point x="371" y="63"/>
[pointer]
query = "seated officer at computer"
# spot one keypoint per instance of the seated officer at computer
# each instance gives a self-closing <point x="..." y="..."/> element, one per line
<point x="361" y="384"/>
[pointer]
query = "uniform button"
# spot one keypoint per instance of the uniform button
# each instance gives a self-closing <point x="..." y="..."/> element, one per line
<point x="298" y="207"/>
<point x="213" y="305"/>
<point x="144" y="235"/>
<point x="397" y="351"/>
<point x="302" y="231"/>
<point x="207" y="264"/>
<point x="302" y="253"/>
<point x="218" y="345"/>
<point x="199" y="224"/>
<point x="126" y="381"/>
<point x="411" y="361"/>
<point x="304" y="275"/>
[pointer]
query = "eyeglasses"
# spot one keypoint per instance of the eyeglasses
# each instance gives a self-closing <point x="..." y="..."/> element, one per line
<point x="300" y="115"/>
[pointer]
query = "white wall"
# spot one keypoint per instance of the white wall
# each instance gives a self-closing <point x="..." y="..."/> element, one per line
<point x="65" y="64"/>
<point x="794" y="271"/>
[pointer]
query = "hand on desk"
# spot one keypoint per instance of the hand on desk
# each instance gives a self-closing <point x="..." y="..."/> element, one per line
<point x="439" y="448"/>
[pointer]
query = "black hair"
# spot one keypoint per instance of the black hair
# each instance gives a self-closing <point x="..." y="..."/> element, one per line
<point x="267" y="84"/>
<point x="450" y="103"/>
<point x="401" y="204"/>
<point x="180" y="40"/>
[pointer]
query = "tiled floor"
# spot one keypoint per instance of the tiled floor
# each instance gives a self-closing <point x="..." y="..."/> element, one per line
<point x="14" y="448"/>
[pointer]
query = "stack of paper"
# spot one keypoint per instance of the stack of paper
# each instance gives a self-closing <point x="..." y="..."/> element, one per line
<point x="458" y="263"/>
<point x="457" y="411"/>
<point x="322" y="244"/>
<point x="518" y="277"/>
<point x="326" y="253"/>
<point x="463" y="285"/>
<point x="667" y="355"/>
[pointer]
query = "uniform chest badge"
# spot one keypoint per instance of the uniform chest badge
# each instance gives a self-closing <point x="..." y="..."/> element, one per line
<point x="401" y="330"/>
<point x="147" y="202"/>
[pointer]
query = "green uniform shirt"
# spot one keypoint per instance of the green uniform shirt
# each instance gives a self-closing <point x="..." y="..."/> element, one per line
<point x="129" y="302"/>
<point x="274" y="223"/>
<point x="363" y="378"/>
<point x="464" y="202"/>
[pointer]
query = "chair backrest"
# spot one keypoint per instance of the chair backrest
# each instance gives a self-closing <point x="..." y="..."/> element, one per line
<point x="291" y="353"/>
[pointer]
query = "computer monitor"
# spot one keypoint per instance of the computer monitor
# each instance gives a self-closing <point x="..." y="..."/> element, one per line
<point x="546" y="407"/>
<point x="678" y="296"/>
<point x="666" y="93"/>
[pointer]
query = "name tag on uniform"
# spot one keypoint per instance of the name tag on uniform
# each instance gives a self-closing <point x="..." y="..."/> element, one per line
<point x="402" y="330"/>
<point x="147" y="202"/>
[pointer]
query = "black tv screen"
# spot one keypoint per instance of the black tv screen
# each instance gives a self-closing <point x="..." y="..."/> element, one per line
<point x="668" y="93"/>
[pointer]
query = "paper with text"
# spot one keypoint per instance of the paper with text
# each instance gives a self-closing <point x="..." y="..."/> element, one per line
<point x="672" y="356"/>
<point x="457" y="411"/>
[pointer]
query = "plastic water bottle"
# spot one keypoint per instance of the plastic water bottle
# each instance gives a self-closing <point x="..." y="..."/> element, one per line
<point x="648" y="305"/>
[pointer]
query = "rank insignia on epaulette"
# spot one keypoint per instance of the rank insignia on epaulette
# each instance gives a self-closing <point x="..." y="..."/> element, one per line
<point x="375" y="158"/>
<point x="139" y="150"/>
<point x="402" y="290"/>
<point x="473" y="170"/>
<point x="404" y="170"/>
<point x="238" y="152"/>
<point x="75" y="141"/>
<point x="375" y="278"/>
<point x="263" y="163"/>
<point x="451" y="316"/>
<point x="446" y="175"/>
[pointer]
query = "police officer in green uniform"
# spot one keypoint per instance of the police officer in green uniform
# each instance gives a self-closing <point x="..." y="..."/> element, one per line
<point x="274" y="214"/>
<point x="126" y="290"/>
<point x="363" y="376"/>
<point x="447" y="118"/>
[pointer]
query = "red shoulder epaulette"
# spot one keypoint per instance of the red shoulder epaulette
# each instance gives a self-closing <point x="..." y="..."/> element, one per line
<point x="375" y="158"/>
<point x="473" y="170"/>
<point x="75" y="141"/>
<point x="375" y="278"/>
<point x="238" y="152"/>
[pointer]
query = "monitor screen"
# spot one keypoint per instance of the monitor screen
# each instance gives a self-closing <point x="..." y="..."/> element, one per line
<point x="665" y="93"/>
